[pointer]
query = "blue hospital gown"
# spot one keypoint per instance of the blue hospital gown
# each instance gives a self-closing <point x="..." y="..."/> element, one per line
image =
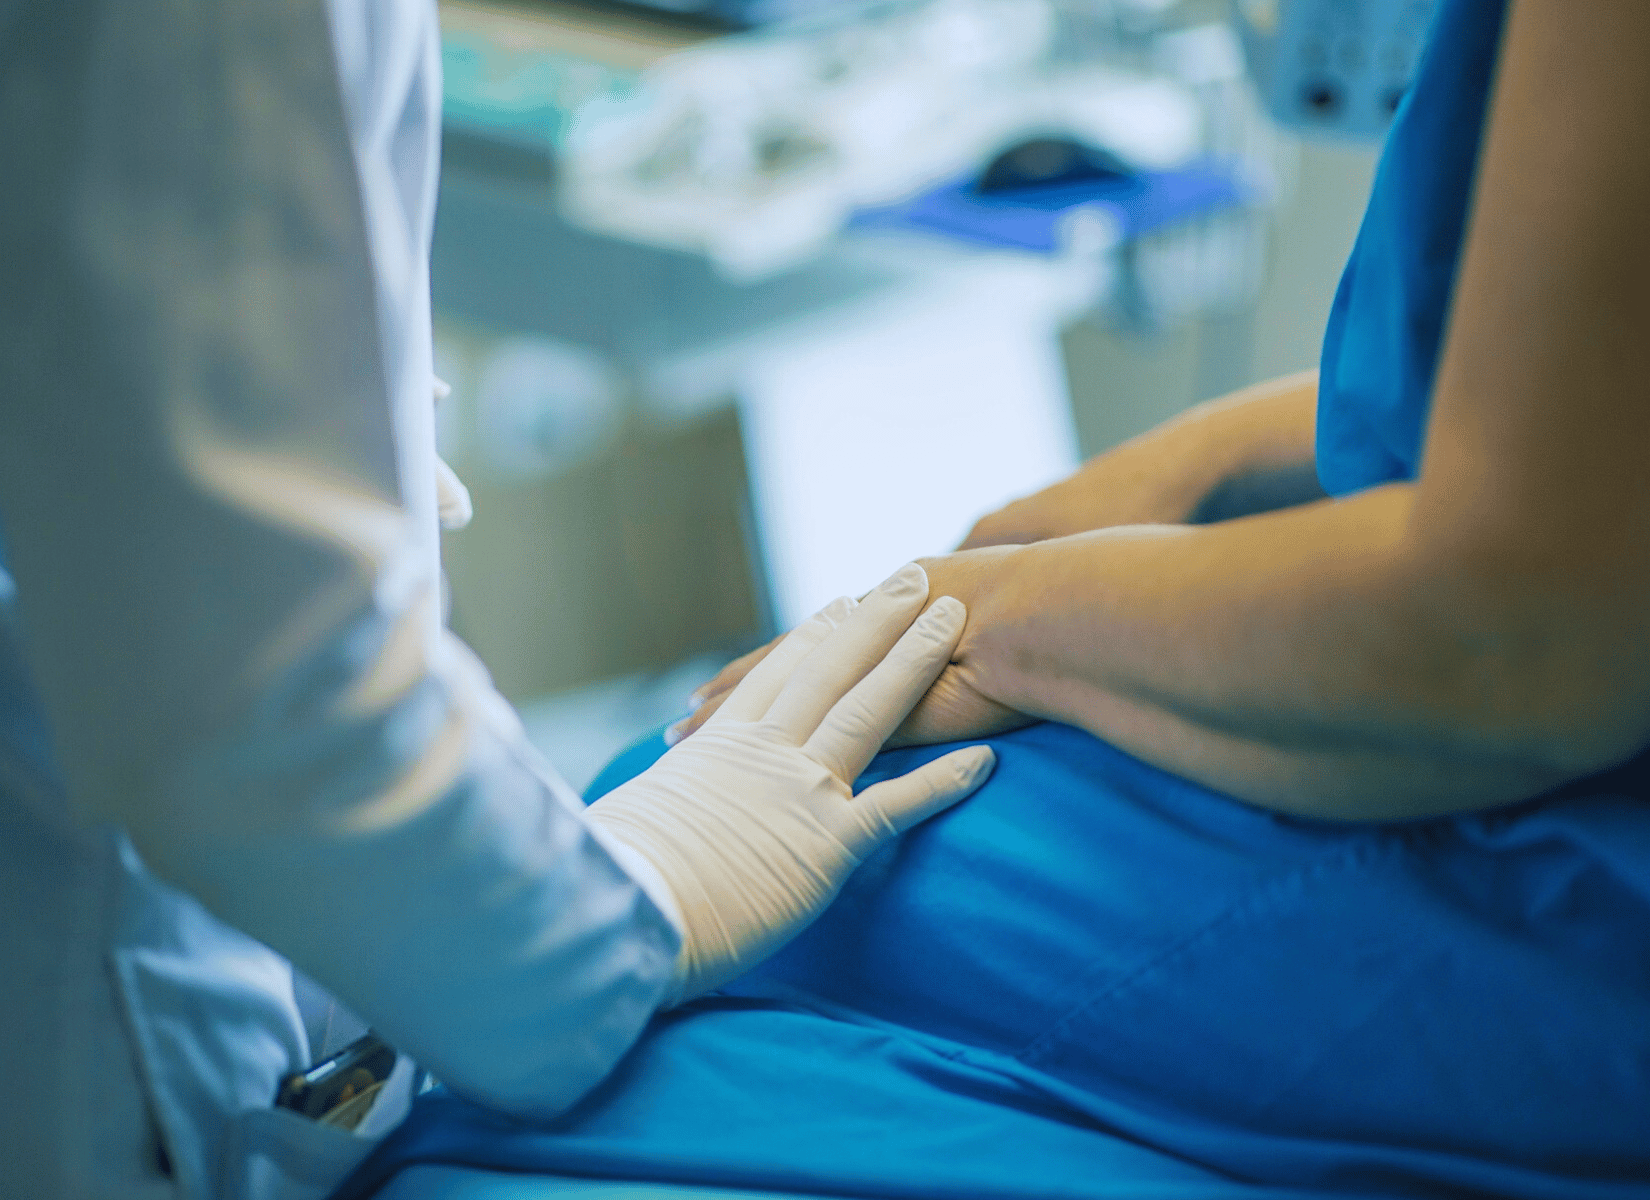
<point x="1097" y="979"/>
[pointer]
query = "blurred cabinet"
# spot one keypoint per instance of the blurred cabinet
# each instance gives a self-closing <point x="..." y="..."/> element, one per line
<point x="632" y="558"/>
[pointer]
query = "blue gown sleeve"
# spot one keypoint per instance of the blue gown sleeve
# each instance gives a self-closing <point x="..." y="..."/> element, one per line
<point x="216" y="478"/>
<point x="1385" y="334"/>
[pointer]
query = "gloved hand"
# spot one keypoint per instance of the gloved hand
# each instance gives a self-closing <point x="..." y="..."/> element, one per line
<point x="751" y="824"/>
<point x="953" y="708"/>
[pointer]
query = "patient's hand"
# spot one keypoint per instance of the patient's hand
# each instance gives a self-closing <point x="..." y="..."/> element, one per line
<point x="958" y="705"/>
<point x="953" y="708"/>
<point x="1157" y="478"/>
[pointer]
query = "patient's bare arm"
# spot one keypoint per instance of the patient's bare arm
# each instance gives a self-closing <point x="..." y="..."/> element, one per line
<point x="1166" y="475"/>
<point x="1474" y="637"/>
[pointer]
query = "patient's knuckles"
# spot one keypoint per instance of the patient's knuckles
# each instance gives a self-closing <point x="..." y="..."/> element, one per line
<point x="715" y="691"/>
<point x="726" y="682"/>
<point x="729" y="676"/>
<point x="706" y="711"/>
<point x="701" y="716"/>
<point x="723" y="682"/>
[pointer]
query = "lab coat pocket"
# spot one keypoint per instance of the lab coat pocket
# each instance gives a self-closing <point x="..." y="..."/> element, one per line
<point x="275" y="1154"/>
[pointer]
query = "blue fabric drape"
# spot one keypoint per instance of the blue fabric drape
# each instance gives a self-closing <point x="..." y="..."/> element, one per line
<point x="1095" y="978"/>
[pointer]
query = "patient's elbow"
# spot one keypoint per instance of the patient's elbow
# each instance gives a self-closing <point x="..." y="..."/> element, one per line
<point x="1545" y="621"/>
<point x="1539" y="664"/>
<point x="1596" y="736"/>
<point x="1582" y="705"/>
<point x="1595" y="678"/>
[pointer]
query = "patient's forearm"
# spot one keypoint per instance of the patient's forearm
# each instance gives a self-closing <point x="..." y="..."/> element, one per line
<point x="1314" y="660"/>
<point x="1264" y="427"/>
<point x="1166" y="473"/>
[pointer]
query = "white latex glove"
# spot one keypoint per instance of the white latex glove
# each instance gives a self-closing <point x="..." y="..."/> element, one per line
<point x="751" y="825"/>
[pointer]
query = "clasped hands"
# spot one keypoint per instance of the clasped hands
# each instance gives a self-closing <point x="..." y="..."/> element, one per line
<point x="1157" y="478"/>
<point x="1138" y="483"/>
<point x="954" y="708"/>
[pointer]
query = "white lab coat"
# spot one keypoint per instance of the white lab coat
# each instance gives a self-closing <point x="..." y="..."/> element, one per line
<point x="223" y="665"/>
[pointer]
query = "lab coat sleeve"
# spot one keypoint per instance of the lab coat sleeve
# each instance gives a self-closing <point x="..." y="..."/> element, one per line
<point x="217" y="489"/>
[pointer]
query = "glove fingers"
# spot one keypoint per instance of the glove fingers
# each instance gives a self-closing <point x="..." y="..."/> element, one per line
<point x="853" y="731"/>
<point x="887" y="809"/>
<point x="754" y="696"/>
<point x="849" y="653"/>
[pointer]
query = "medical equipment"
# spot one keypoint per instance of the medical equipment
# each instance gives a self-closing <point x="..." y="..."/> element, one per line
<point x="755" y="150"/>
<point x="748" y="830"/>
<point x="1335" y="68"/>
